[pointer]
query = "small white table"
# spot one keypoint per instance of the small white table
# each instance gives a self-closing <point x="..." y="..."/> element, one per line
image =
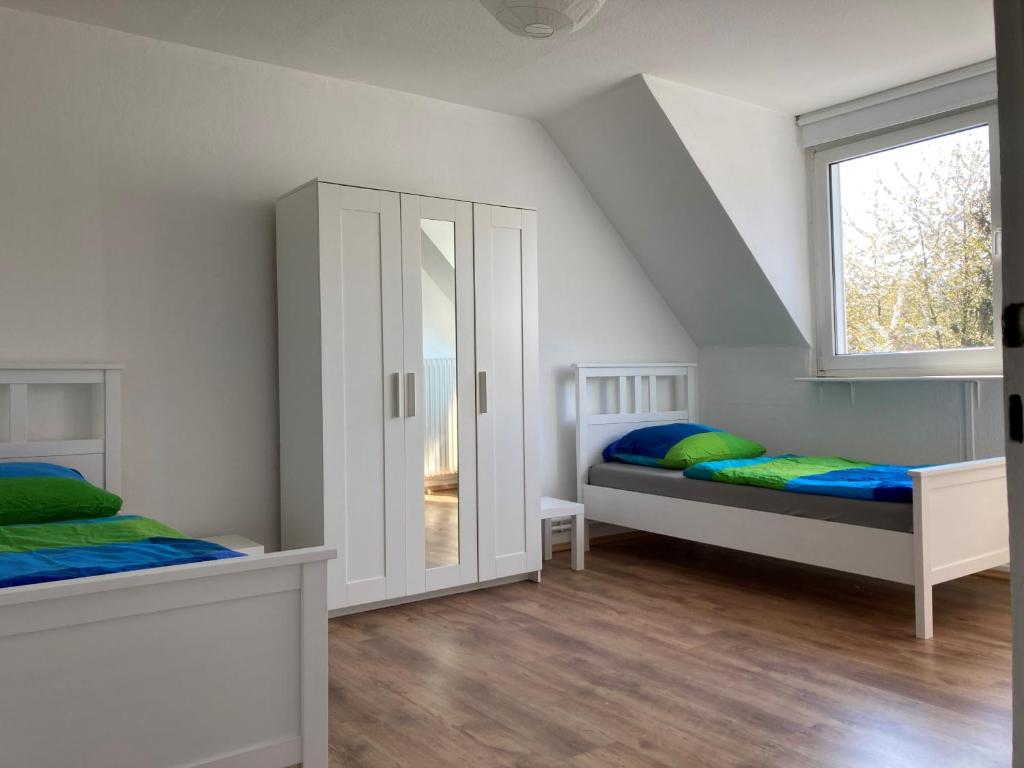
<point x="554" y="509"/>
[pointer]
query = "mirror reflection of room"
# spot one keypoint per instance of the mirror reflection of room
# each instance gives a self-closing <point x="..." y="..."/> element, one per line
<point x="440" y="398"/>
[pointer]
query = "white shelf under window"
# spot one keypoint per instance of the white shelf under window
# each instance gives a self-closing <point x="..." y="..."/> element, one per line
<point x="907" y="377"/>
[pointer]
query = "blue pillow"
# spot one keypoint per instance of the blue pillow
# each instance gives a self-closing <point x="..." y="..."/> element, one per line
<point x="649" y="445"/>
<point x="38" y="469"/>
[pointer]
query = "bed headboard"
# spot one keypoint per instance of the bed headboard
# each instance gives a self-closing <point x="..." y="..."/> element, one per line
<point x="615" y="398"/>
<point x="63" y="413"/>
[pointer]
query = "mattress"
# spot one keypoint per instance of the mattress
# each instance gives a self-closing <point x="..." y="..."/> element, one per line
<point x="884" y="515"/>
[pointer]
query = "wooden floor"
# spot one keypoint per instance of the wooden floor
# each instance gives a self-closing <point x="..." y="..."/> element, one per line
<point x="664" y="653"/>
<point x="441" y="540"/>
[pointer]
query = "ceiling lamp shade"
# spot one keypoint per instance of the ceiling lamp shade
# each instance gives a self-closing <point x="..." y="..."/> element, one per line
<point x="543" y="18"/>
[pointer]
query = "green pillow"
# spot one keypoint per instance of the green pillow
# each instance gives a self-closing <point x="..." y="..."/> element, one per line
<point x="710" y="446"/>
<point x="50" y="499"/>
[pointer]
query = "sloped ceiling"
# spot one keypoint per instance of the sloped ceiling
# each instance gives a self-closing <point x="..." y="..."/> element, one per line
<point x="634" y="162"/>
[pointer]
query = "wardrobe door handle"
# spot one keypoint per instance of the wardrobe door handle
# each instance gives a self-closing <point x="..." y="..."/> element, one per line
<point x="396" y="394"/>
<point x="410" y="394"/>
<point x="482" y="390"/>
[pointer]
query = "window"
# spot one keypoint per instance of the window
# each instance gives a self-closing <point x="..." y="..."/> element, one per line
<point x="907" y="279"/>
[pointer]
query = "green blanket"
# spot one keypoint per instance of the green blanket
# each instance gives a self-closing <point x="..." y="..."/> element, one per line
<point x="82" y="533"/>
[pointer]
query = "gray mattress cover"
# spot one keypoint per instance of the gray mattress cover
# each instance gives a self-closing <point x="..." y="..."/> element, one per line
<point x="886" y="515"/>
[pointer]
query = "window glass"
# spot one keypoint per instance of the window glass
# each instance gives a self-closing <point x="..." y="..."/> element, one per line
<point x="911" y="234"/>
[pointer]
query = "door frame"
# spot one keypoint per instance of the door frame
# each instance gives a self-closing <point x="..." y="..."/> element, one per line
<point x="1009" y="25"/>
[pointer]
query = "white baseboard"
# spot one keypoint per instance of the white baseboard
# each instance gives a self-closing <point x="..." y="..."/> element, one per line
<point x="427" y="595"/>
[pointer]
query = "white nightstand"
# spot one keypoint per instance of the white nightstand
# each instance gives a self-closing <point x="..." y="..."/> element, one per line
<point x="237" y="543"/>
<point x="553" y="509"/>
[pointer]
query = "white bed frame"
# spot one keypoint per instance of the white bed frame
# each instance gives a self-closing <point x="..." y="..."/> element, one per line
<point x="961" y="523"/>
<point x="220" y="664"/>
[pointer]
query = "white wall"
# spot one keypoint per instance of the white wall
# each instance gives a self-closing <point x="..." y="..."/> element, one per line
<point x="137" y="182"/>
<point x="751" y="392"/>
<point x="438" y="321"/>
<point x="753" y="160"/>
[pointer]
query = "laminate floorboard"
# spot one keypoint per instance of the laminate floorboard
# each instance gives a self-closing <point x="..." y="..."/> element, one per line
<point x="665" y="654"/>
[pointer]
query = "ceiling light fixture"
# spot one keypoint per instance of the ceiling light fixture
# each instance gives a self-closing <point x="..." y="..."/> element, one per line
<point x="543" y="18"/>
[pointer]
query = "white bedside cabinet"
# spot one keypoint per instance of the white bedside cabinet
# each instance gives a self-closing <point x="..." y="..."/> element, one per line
<point x="554" y="509"/>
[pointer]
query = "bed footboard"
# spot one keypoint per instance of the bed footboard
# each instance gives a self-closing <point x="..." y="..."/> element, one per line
<point x="961" y="526"/>
<point x="220" y="664"/>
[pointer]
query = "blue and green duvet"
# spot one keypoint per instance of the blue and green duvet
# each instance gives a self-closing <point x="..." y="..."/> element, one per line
<point x="824" y="475"/>
<point x="33" y="553"/>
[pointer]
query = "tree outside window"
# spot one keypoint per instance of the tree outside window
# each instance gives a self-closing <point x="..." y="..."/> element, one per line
<point x="912" y="230"/>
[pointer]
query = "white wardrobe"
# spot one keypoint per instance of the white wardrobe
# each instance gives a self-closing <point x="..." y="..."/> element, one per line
<point x="407" y="346"/>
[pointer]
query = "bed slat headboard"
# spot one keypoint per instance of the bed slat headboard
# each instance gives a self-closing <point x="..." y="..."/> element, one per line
<point x="97" y="455"/>
<point x="615" y="398"/>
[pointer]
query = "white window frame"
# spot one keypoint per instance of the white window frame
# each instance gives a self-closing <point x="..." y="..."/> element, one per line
<point x="925" y="363"/>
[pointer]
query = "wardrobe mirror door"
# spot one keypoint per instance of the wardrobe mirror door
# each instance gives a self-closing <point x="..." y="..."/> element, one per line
<point x="440" y="394"/>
